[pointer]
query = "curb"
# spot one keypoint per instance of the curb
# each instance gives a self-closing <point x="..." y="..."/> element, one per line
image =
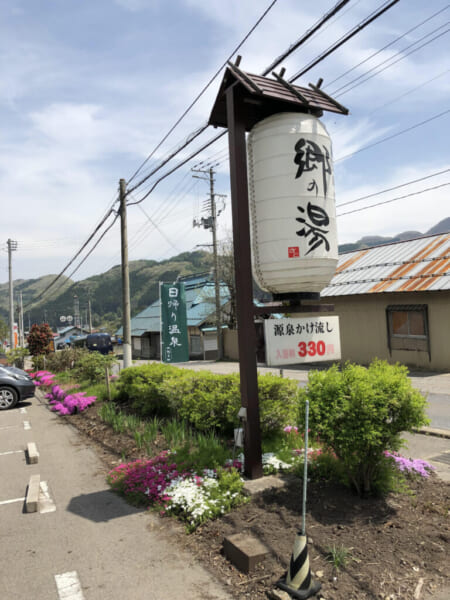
<point x="443" y="433"/>
<point x="32" y="497"/>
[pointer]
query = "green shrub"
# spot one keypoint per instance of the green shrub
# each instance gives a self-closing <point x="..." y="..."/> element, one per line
<point x="359" y="412"/>
<point x="205" y="400"/>
<point x="141" y="388"/>
<point x="16" y="357"/>
<point x="277" y="403"/>
<point x="91" y="366"/>
<point x="63" y="360"/>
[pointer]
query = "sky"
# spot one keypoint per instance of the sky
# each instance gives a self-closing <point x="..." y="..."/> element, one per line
<point x="89" y="89"/>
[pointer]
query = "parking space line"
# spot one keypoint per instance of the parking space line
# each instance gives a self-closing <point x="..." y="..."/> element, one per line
<point x="11" y="452"/>
<point x="10" y="427"/>
<point x="46" y="504"/>
<point x="69" y="587"/>
<point x="11" y="501"/>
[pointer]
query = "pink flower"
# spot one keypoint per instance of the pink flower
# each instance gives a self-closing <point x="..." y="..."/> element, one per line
<point x="290" y="429"/>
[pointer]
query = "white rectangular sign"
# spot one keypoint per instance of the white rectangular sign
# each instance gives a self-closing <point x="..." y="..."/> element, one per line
<point x="303" y="340"/>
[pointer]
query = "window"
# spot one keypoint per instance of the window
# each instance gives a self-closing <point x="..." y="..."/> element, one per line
<point x="408" y="327"/>
<point x="196" y="344"/>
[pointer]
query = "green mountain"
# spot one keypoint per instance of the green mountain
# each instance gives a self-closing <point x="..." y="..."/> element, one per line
<point x="104" y="291"/>
<point x="376" y="240"/>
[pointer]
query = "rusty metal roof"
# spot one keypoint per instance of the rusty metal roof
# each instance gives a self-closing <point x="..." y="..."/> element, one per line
<point x="264" y="97"/>
<point x="416" y="265"/>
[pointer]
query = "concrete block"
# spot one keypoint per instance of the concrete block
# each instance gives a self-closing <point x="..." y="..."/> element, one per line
<point x="244" y="551"/>
<point x="254" y="486"/>
<point x="33" y="454"/>
<point x="32" y="497"/>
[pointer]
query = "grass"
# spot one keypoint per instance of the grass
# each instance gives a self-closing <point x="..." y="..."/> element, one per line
<point x="338" y="556"/>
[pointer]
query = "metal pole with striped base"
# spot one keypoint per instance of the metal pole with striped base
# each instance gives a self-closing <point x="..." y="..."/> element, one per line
<point x="298" y="582"/>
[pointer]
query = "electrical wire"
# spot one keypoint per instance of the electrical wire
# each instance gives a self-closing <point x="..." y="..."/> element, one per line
<point x="402" y="57"/>
<point x="394" y="135"/>
<point x="306" y="36"/>
<point x="362" y="62"/>
<point x="195" y="134"/>
<point x="393" y="199"/>
<point x="204" y="89"/>
<point x="344" y="39"/>
<point x="52" y="283"/>
<point x="396" y="187"/>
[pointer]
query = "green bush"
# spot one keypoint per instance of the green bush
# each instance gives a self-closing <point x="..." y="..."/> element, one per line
<point x="204" y="400"/>
<point x="63" y="360"/>
<point x="91" y="366"/>
<point x="16" y="357"/>
<point x="277" y="403"/>
<point x="141" y="388"/>
<point x="359" y="412"/>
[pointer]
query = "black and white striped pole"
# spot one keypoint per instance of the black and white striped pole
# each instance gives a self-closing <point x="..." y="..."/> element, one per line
<point x="297" y="581"/>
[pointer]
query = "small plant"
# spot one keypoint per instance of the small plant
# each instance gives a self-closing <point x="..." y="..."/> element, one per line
<point x="91" y="366"/>
<point x="176" y="433"/>
<point x="338" y="556"/>
<point x="16" y="357"/>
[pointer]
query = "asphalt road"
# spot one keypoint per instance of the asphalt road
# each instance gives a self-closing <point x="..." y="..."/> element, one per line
<point x="92" y="546"/>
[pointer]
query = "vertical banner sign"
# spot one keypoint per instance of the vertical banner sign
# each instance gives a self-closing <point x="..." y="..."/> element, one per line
<point x="174" y="333"/>
<point x="303" y="340"/>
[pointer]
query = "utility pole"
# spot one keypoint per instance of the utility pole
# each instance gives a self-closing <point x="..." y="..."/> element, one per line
<point x="126" y="318"/>
<point x="89" y="313"/>
<point x="211" y="223"/>
<point x="76" y="311"/>
<point x="21" y="330"/>
<point x="12" y="246"/>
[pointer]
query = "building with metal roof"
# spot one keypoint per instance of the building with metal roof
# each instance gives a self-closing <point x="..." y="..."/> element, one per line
<point x="394" y="302"/>
<point x="200" y="308"/>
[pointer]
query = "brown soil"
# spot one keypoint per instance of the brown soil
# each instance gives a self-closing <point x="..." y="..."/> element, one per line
<point x="397" y="546"/>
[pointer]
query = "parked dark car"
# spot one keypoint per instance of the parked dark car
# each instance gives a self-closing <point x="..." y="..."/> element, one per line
<point x="100" y="342"/>
<point x="15" y="386"/>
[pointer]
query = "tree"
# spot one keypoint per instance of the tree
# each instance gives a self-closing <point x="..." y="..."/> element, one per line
<point x="39" y="339"/>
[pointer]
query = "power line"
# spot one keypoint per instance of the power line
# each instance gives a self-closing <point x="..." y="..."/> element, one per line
<point x="344" y="39"/>
<point x="52" y="283"/>
<point x="396" y="187"/>
<point x="390" y="137"/>
<point x="199" y="131"/>
<point x="393" y="199"/>
<point x="387" y="46"/>
<point x="402" y="57"/>
<point x="204" y="89"/>
<point x="306" y="36"/>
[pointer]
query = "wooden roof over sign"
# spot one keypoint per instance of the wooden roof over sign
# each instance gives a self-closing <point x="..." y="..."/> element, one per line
<point x="263" y="97"/>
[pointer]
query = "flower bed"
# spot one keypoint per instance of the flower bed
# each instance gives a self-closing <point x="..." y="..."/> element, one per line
<point x="64" y="402"/>
<point x="194" y="498"/>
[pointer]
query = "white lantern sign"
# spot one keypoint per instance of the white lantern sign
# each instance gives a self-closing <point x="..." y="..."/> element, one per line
<point x="292" y="205"/>
<point x="302" y="340"/>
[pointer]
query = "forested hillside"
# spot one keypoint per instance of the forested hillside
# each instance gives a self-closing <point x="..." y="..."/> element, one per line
<point x="104" y="291"/>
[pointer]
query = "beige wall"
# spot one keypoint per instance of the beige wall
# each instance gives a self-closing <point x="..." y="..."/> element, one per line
<point x="364" y="330"/>
<point x="230" y="344"/>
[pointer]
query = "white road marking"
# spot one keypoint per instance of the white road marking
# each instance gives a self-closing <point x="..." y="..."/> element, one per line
<point x="46" y="503"/>
<point x="11" y="501"/>
<point x="69" y="587"/>
<point x="10" y="427"/>
<point x="26" y="425"/>
<point x="11" y="452"/>
<point x="23" y="411"/>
